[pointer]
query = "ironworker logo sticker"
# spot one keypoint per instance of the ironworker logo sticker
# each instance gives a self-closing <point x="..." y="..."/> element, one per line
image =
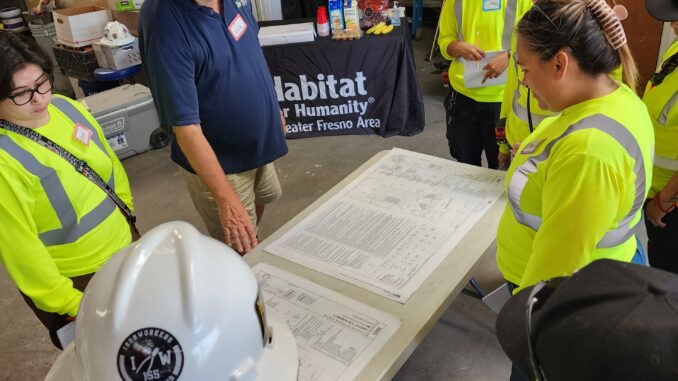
<point x="150" y="354"/>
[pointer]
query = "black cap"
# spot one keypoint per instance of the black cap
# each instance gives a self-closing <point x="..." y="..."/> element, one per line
<point x="663" y="10"/>
<point x="609" y="321"/>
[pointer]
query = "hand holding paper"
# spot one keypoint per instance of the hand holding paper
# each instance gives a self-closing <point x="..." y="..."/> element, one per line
<point x="495" y="67"/>
<point x="476" y="72"/>
<point x="466" y="51"/>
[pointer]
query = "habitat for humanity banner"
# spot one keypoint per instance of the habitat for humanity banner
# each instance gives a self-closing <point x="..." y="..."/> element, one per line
<point x="346" y="87"/>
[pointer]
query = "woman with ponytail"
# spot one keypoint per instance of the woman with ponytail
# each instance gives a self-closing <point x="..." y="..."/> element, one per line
<point x="577" y="184"/>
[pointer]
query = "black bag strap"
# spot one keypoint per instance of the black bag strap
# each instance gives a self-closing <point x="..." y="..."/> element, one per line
<point x="529" y="112"/>
<point x="79" y="165"/>
<point x="667" y="68"/>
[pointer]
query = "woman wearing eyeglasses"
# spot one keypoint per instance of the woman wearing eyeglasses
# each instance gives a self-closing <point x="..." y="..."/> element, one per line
<point x="577" y="184"/>
<point x="58" y="226"/>
<point x="661" y="215"/>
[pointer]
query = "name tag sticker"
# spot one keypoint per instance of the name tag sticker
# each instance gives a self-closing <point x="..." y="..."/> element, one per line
<point x="491" y="5"/>
<point x="82" y="134"/>
<point x="237" y="27"/>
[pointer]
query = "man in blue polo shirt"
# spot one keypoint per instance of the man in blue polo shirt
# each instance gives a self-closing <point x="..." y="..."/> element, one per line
<point x="210" y="82"/>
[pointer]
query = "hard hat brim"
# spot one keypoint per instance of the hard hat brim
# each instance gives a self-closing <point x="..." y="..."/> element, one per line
<point x="280" y="359"/>
<point x="62" y="369"/>
<point x="128" y="40"/>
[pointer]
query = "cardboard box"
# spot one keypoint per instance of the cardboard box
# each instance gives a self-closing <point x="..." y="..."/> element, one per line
<point x="117" y="57"/>
<point x="125" y="5"/>
<point x="129" y="19"/>
<point x="82" y="26"/>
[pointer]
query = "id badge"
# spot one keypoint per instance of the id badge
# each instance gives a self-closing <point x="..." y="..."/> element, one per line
<point x="491" y="5"/>
<point x="237" y="27"/>
<point x="82" y="134"/>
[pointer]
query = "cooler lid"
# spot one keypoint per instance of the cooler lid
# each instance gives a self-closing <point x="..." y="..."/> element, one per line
<point x="116" y="99"/>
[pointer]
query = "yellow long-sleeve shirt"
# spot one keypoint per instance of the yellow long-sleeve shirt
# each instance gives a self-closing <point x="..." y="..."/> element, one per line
<point x="481" y="27"/>
<point x="56" y="223"/>
<point x="576" y="189"/>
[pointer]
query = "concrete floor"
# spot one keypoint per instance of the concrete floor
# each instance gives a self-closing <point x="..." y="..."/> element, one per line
<point x="462" y="346"/>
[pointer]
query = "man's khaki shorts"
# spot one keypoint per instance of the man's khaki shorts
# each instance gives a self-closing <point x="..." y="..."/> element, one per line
<point x="255" y="187"/>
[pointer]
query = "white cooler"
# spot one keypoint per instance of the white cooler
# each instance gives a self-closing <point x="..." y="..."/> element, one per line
<point x="128" y="118"/>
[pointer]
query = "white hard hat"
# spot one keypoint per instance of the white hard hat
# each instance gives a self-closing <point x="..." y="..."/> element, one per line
<point x="176" y="305"/>
<point x="116" y="34"/>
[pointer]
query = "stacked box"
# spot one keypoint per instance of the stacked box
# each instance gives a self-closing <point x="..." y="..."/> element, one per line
<point x="117" y="57"/>
<point x="78" y="27"/>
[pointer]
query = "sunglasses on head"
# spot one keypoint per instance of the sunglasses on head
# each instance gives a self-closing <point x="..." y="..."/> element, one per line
<point x="538" y="296"/>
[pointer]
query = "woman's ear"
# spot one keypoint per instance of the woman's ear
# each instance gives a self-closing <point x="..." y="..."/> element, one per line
<point x="561" y="64"/>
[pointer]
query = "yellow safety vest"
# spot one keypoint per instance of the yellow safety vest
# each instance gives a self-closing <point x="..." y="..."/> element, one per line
<point x="468" y="20"/>
<point x="576" y="189"/>
<point x="56" y="223"/>
<point x="662" y="101"/>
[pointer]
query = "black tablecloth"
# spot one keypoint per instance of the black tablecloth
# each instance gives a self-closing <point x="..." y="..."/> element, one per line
<point x="363" y="86"/>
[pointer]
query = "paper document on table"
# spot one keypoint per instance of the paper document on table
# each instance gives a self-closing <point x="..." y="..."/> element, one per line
<point x="336" y="335"/>
<point x="389" y="229"/>
<point x="474" y="73"/>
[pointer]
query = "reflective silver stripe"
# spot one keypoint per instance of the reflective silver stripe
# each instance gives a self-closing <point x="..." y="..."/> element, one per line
<point x="71" y="230"/>
<point x="521" y="112"/>
<point x="509" y="20"/>
<point x="664" y="162"/>
<point x="77" y="117"/>
<point x="667" y="108"/>
<point x="111" y="180"/>
<point x="457" y="14"/>
<point x="624" y="138"/>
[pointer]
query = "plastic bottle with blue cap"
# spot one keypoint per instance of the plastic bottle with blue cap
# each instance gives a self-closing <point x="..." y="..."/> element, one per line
<point x="395" y="14"/>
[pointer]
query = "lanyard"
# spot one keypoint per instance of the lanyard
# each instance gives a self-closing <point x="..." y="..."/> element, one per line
<point x="79" y="165"/>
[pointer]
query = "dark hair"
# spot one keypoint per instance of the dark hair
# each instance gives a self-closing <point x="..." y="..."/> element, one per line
<point x="551" y="25"/>
<point x="17" y="51"/>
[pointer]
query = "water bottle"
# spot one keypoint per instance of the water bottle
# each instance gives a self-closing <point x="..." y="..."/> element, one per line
<point x="395" y="14"/>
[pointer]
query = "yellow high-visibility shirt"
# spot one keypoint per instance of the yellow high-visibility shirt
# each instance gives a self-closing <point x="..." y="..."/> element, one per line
<point x="56" y="223"/>
<point x="661" y="101"/>
<point x="484" y="28"/>
<point x="576" y="189"/>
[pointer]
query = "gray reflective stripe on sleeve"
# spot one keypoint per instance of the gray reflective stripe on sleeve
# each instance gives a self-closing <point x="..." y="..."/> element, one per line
<point x="667" y="108"/>
<point x="509" y="21"/>
<point x="77" y="117"/>
<point x="70" y="230"/>
<point x="458" y="6"/>
<point x="521" y="112"/>
<point x="624" y="138"/>
<point x="111" y="180"/>
<point x="664" y="162"/>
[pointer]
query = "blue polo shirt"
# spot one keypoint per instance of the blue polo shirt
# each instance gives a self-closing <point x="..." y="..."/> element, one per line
<point x="208" y="69"/>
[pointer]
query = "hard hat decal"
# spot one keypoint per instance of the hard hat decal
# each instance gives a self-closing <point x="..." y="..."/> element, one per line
<point x="150" y="354"/>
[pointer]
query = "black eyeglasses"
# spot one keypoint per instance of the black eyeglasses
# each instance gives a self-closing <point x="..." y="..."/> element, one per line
<point x="667" y="68"/>
<point x="26" y="96"/>
<point x="539" y="294"/>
